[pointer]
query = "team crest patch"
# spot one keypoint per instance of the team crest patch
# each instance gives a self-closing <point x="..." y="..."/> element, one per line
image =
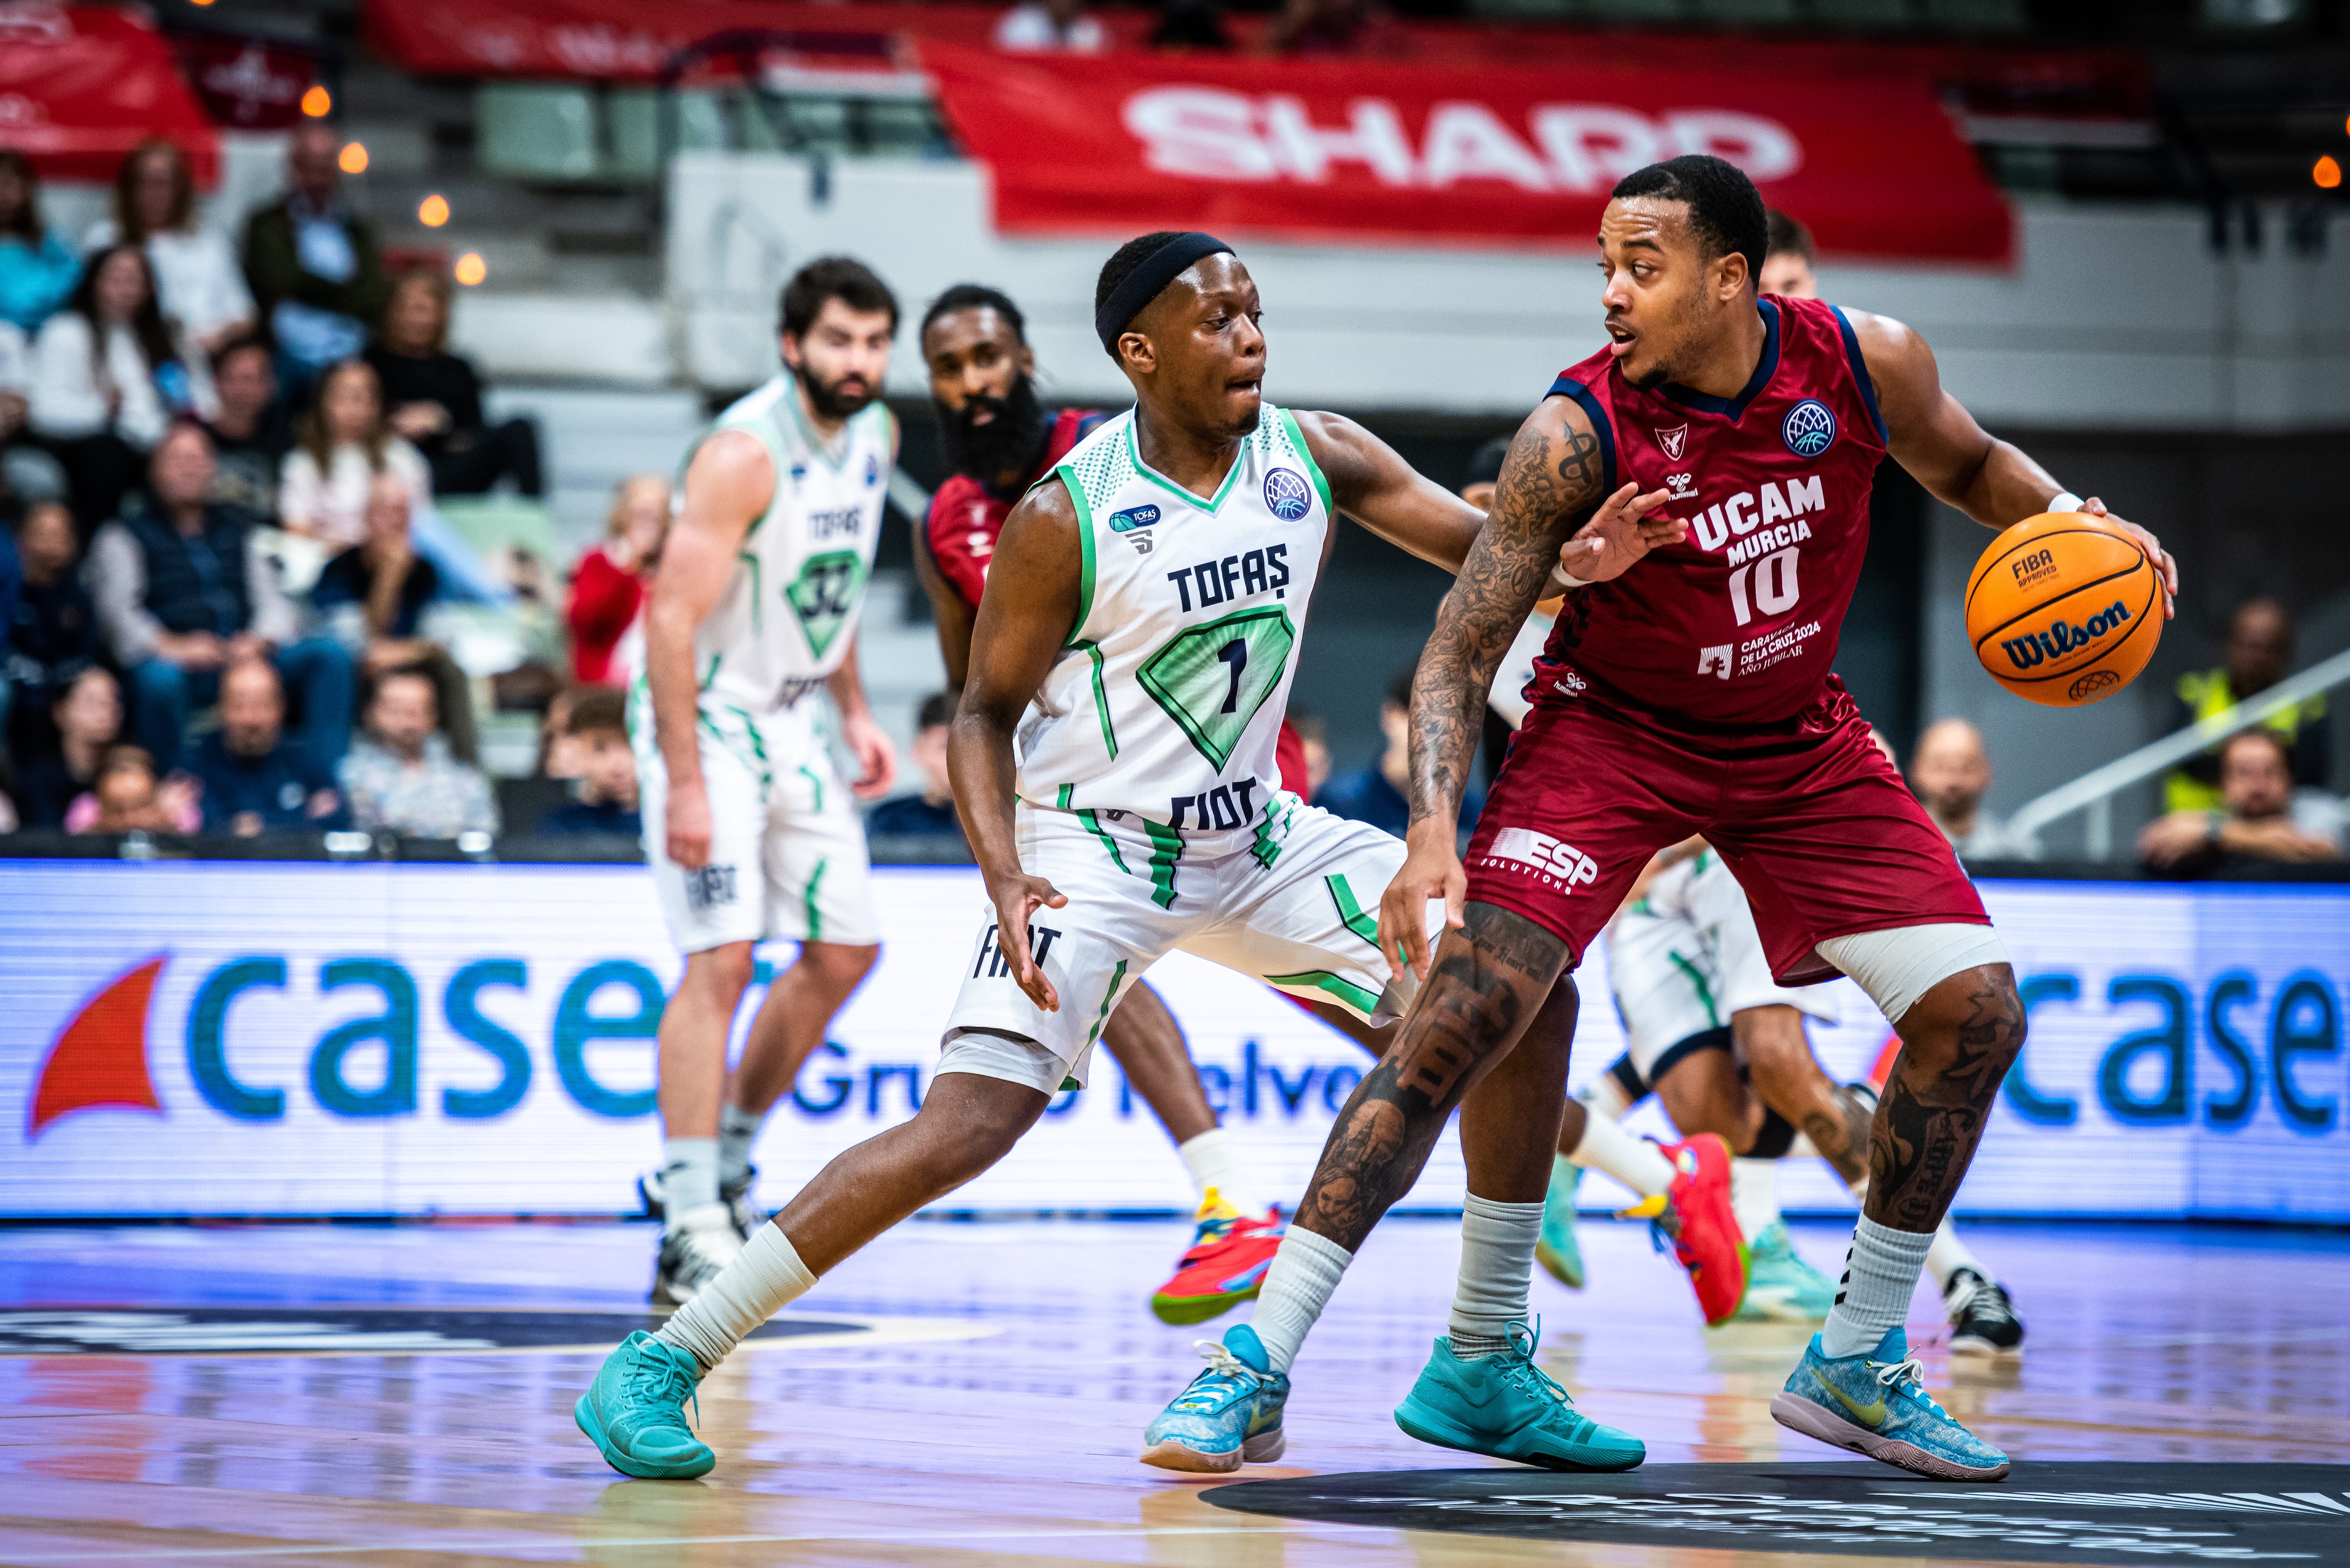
<point x="1809" y="428"/>
<point x="1286" y="494"/>
<point x="872" y="470"/>
<point x="1673" y="443"/>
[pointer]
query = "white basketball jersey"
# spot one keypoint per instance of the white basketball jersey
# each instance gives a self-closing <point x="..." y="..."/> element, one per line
<point x="1168" y="699"/>
<point x="789" y="612"/>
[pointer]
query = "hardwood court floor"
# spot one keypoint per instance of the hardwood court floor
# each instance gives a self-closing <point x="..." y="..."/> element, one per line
<point x="1015" y="1445"/>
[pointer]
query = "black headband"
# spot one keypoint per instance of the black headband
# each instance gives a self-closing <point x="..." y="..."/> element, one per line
<point x="1158" y="269"/>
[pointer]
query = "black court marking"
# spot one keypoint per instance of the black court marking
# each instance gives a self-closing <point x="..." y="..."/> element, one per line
<point x="2046" y="1511"/>
<point x="337" y="1331"/>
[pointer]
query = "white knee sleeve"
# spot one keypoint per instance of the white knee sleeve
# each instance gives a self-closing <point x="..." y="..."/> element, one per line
<point x="1898" y="967"/>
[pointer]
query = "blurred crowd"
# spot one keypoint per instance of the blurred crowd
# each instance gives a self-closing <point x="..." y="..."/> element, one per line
<point x="237" y="590"/>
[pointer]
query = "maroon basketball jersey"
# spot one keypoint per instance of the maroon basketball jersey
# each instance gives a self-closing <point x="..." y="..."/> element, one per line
<point x="1732" y="631"/>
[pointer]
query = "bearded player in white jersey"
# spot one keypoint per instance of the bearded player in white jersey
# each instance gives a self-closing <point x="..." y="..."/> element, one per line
<point x="1137" y="638"/>
<point x="750" y="833"/>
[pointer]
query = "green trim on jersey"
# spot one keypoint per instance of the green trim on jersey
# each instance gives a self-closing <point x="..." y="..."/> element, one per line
<point x="1142" y="469"/>
<point x="1093" y="825"/>
<point x="1704" y="992"/>
<point x="1166" y="849"/>
<point x="1313" y="469"/>
<point x="758" y="595"/>
<point x="1322" y="979"/>
<point x="1109" y="1000"/>
<point x="1263" y="848"/>
<point x="814" y="783"/>
<point x="1351" y="914"/>
<point x="1101" y="696"/>
<point x="1212" y="702"/>
<point x="1076" y="489"/>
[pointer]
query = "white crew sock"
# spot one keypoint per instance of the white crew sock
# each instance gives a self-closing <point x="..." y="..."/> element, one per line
<point x="1880" y="1275"/>
<point x="1605" y="1097"/>
<point x="1754" y="1194"/>
<point x="1634" y="1161"/>
<point x="765" y="1275"/>
<point x="737" y="1131"/>
<point x="1216" y="1168"/>
<point x="688" y="1177"/>
<point x="1947" y="1255"/>
<point x="1497" y="1266"/>
<point x="1304" y="1272"/>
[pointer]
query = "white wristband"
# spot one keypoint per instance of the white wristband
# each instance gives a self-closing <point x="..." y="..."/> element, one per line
<point x="1562" y="581"/>
<point x="2064" y="501"/>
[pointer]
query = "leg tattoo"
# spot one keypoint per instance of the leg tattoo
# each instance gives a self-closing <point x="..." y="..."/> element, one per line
<point x="1956" y="1049"/>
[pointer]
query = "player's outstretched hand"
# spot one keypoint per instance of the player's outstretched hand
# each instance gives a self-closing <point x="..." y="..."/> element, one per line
<point x="1017" y="898"/>
<point x="1627" y="526"/>
<point x="2164" y="567"/>
<point x="877" y="759"/>
<point x="1431" y="870"/>
<point x="689" y="825"/>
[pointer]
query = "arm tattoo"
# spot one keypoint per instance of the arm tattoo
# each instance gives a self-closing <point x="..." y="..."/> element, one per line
<point x="1549" y="481"/>
<point x="1487" y="984"/>
<point x="1935" y="1109"/>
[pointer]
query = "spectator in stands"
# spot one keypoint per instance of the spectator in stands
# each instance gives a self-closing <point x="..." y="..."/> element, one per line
<point x="88" y="719"/>
<point x="128" y="798"/>
<point x="250" y="431"/>
<point x="2260" y="653"/>
<point x="183" y="592"/>
<point x="1042" y="25"/>
<point x="402" y="776"/>
<point x="197" y="279"/>
<point x="1184" y="26"/>
<point x="2260" y="818"/>
<point x="1332" y="28"/>
<point x="1314" y="736"/>
<point x="343" y="442"/>
<point x="11" y="583"/>
<point x="374" y="597"/>
<point x="931" y="813"/>
<point x="16" y="381"/>
<point x="435" y="398"/>
<point x="610" y="584"/>
<point x="50" y="632"/>
<point x="1376" y="793"/>
<point x="106" y="382"/>
<point x="37" y="268"/>
<point x="1788" y="258"/>
<point x="1950" y="771"/>
<point x="255" y="778"/>
<point x="316" y="269"/>
<point x="604" y="803"/>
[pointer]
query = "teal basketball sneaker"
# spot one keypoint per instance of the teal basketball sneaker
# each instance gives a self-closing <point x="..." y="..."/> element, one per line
<point x="1780" y="1286"/>
<point x="1506" y="1407"/>
<point x="1875" y="1405"/>
<point x="635" y="1411"/>
<point x="1555" y="1249"/>
<point x="1229" y="1416"/>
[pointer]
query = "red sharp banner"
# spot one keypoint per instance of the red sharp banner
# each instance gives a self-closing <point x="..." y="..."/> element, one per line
<point x="1359" y="150"/>
<point x="80" y="86"/>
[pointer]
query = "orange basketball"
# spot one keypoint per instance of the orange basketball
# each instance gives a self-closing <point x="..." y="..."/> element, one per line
<point x="2064" y="610"/>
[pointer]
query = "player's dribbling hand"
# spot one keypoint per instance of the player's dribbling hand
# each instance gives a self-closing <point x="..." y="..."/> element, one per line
<point x="2164" y="567"/>
<point x="1017" y="898"/>
<point x="689" y="826"/>
<point x="1627" y="526"/>
<point x="877" y="758"/>
<point x="1431" y="870"/>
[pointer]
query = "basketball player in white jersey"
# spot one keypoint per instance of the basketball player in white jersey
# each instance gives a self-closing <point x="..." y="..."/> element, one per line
<point x="1113" y="764"/>
<point x="750" y="833"/>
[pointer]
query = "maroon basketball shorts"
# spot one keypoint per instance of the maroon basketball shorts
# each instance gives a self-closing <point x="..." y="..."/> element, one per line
<point x="1819" y="829"/>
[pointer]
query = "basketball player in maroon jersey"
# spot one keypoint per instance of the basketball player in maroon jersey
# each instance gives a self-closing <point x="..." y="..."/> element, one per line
<point x="999" y="440"/>
<point x="1693" y="695"/>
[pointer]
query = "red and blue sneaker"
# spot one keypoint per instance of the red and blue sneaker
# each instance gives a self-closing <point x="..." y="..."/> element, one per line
<point x="1695" y="1220"/>
<point x="1229" y="1253"/>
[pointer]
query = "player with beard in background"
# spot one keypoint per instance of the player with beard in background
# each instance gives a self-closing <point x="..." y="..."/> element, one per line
<point x="749" y="832"/>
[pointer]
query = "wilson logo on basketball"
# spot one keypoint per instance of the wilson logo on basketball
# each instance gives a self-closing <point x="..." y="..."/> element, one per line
<point x="2036" y="647"/>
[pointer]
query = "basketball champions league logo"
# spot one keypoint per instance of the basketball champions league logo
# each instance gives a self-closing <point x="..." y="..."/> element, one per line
<point x="1809" y="428"/>
<point x="1286" y="495"/>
